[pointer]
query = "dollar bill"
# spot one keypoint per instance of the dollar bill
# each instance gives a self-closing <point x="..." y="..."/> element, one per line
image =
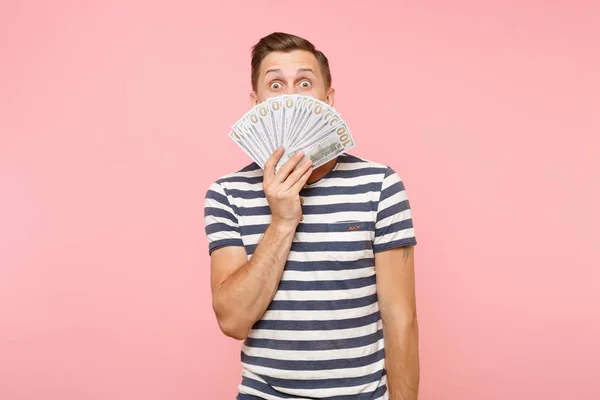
<point x="336" y="142"/>
<point x="296" y="122"/>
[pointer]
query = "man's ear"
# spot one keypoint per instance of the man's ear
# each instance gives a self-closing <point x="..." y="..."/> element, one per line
<point x="330" y="96"/>
<point x="253" y="99"/>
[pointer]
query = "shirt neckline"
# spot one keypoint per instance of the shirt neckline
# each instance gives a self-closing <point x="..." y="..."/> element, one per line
<point x="327" y="175"/>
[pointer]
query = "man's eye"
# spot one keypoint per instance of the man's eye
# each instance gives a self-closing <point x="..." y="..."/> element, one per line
<point x="275" y="85"/>
<point x="305" y="84"/>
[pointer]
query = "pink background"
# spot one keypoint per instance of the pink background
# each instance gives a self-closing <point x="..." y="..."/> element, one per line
<point x="113" y="121"/>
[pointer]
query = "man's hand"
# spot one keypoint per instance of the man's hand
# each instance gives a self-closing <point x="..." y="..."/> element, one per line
<point x="282" y="188"/>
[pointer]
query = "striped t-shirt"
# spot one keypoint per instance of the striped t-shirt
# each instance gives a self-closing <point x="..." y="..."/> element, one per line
<point x="322" y="335"/>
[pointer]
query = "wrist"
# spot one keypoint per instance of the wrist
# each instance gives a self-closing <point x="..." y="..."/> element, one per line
<point x="284" y="226"/>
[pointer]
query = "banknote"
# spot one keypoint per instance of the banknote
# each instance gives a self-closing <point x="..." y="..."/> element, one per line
<point x="296" y="122"/>
<point x="335" y="142"/>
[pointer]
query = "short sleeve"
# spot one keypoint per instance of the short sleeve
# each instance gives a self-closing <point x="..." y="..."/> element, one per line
<point x="394" y="224"/>
<point x="220" y="220"/>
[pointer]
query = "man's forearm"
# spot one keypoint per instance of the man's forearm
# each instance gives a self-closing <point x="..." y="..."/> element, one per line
<point x="245" y="295"/>
<point x="402" y="358"/>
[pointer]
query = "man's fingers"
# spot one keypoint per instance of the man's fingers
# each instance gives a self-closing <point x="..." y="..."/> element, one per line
<point x="271" y="162"/>
<point x="297" y="187"/>
<point x="287" y="168"/>
<point x="297" y="174"/>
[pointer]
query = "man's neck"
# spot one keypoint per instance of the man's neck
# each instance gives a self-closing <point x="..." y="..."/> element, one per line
<point x="322" y="171"/>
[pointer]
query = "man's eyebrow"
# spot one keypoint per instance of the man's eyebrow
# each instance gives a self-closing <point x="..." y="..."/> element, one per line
<point x="277" y="70"/>
<point x="306" y="70"/>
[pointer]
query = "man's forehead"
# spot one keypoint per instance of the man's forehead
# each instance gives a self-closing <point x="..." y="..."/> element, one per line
<point x="296" y="61"/>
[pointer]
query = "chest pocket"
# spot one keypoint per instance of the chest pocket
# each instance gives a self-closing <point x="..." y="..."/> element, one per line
<point x="350" y="240"/>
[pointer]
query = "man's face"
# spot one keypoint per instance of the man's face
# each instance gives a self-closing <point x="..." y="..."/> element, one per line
<point x="296" y="72"/>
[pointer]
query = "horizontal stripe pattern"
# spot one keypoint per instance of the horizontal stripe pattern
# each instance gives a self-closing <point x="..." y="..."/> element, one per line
<point x="312" y="365"/>
<point x="372" y="390"/>
<point x="312" y="345"/>
<point x="266" y="372"/>
<point x="321" y="383"/>
<point x="315" y="335"/>
<point x="322" y="335"/>
<point x="300" y="356"/>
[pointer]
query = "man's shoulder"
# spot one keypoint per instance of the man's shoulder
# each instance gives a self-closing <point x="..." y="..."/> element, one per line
<point x="225" y="189"/>
<point x="250" y="174"/>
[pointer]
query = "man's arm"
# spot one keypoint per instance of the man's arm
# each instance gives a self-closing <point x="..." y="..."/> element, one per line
<point x="242" y="289"/>
<point x="396" y="295"/>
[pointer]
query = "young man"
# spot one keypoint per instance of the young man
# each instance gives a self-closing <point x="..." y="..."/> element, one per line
<point x="313" y="269"/>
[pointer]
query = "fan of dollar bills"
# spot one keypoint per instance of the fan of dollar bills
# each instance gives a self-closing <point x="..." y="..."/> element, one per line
<point x="296" y="122"/>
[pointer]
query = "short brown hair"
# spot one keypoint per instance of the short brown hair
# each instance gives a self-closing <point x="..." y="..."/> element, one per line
<point x="285" y="42"/>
